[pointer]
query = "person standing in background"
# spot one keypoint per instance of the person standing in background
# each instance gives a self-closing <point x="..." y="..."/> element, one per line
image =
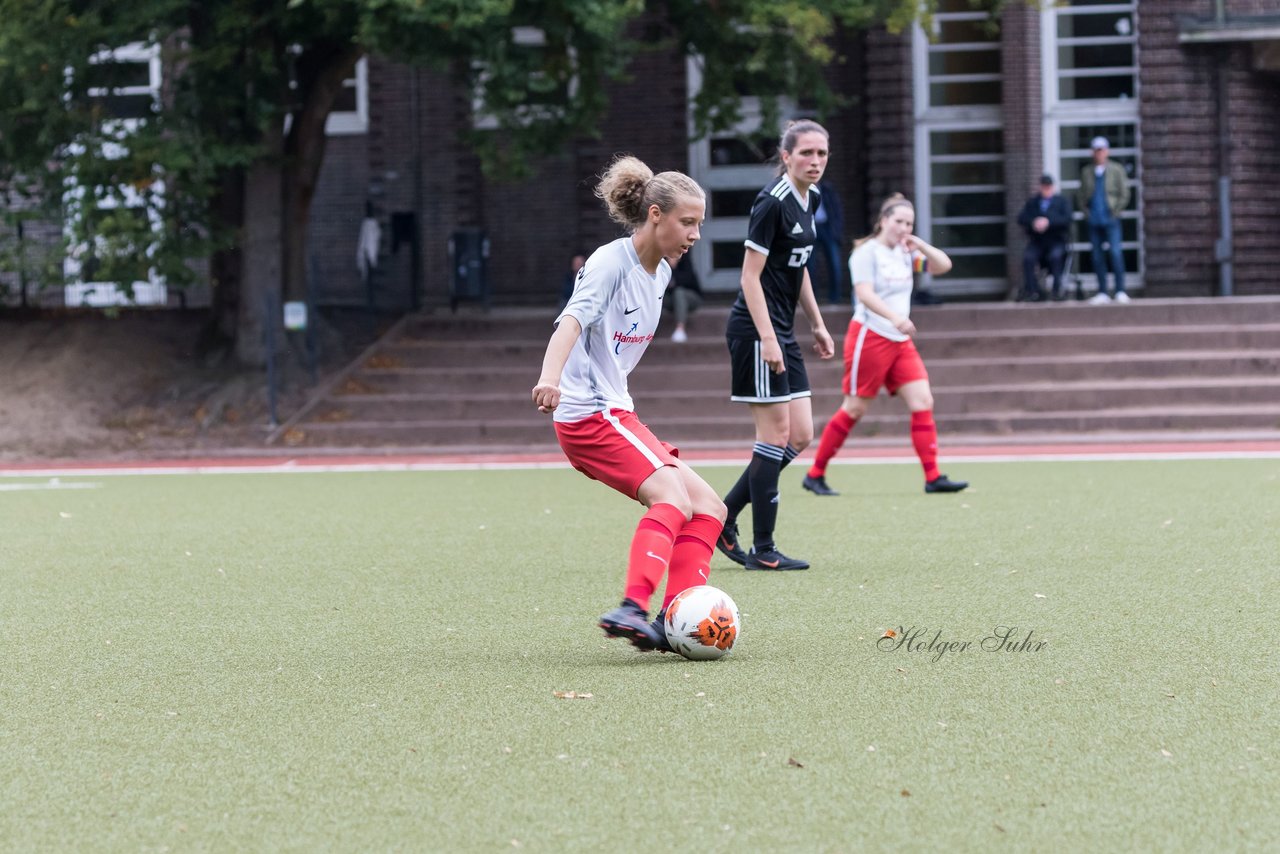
<point x="829" y="219"/>
<point x="1103" y="194"/>
<point x="878" y="350"/>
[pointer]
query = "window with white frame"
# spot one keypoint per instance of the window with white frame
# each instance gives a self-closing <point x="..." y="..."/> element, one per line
<point x="962" y="57"/>
<point x="959" y="147"/>
<point x="1095" y="50"/>
<point x="1090" y="71"/>
<point x="732" y="166"/>
<point x="350" y="113"/>
<point x="125" y="82"/>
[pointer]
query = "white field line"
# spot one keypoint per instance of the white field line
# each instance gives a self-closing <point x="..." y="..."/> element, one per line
<point x="52" y="484"/>
<point x="307" y="467"/>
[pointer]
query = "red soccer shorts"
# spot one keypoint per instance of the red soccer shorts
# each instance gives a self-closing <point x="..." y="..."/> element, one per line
<point x="874" y="362"/>
<point x="615" y="448"/>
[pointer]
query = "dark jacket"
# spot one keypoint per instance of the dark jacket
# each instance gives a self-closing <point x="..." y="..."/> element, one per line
<point x="1059" y="214"/>
<point x="835" y="213"/>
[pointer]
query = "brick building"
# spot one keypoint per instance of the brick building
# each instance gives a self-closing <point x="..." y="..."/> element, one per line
<point x="963" y="123"/>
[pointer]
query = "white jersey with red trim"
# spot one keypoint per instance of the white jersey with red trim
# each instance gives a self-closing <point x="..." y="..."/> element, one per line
<point x="889" y="269"/>
<point x="618" y="304"/>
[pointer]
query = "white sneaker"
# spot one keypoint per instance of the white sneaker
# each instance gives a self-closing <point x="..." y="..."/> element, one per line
<point x="1100" y="298"/>
<point x="1122" y="299"/>
<point x="679" y="336"/>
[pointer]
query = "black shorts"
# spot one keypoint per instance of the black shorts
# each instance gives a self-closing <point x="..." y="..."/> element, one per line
<point x="753" y="382"/>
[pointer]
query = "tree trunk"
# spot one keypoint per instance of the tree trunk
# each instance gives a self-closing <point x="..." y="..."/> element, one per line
<point x="320" y="72"/>
<point x="226" y="211"/>
<point x="260" y="268"/>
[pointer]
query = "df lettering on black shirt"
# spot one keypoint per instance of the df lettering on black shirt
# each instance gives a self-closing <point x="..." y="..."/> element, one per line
<point x="782" y="228"/>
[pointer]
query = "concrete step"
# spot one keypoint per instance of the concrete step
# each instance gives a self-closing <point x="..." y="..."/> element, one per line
<point x="1010" y="344"/>
<point x="534" y="429"/>
<point x="998" y="370"/>
<point x="516" y="379"/>
<point x="710" y="320"/>
<point x="948" y="400"/>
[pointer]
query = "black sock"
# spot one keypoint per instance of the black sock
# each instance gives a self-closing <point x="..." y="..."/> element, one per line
<point x="766" y="464"/>
<point x="740" y="495"/>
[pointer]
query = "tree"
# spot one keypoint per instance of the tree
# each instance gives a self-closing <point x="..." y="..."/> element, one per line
<point x="225" y="165"/>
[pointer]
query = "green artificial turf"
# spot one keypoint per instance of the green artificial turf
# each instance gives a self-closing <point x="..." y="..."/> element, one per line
<point x="368" y="662"/>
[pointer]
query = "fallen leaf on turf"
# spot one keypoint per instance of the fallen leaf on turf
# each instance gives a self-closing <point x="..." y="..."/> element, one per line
<point x="889" y="633"/>
<point x="905" y="793"/>
<point x="572" y="695"/>
<point x="998" y="827"/>
<point x="793" y="763"/>
<point x="900" y="670"/>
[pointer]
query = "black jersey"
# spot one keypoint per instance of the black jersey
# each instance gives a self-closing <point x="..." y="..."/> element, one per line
<point x="783" y="230"/>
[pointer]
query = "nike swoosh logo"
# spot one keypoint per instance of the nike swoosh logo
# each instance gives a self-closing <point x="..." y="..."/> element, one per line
<point x="632" y="310"/>
<point x="773" y="565"/>
<point x="659" y="557"/>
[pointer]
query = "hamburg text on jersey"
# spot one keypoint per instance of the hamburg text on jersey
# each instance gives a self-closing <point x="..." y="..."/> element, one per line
<point x="618" y="305"/>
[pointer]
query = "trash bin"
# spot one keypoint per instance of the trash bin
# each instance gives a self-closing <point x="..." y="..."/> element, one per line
<point x="469" y="260"/>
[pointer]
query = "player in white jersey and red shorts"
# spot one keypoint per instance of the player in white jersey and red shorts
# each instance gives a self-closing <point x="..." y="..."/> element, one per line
<point x="768" y="371"/>
<point x="878" y="351"/>
<point x="600" y="336"/>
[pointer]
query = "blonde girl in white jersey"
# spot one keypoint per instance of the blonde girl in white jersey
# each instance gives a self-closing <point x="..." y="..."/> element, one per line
<point x="878" y="350"/>
<point x="601" y="334"/>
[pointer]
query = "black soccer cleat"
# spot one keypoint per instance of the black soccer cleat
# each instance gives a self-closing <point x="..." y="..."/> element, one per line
<point x="659" y="626"/>
<point x="728" y="544"/>
<point x="942" y="484"/>
<point x="817" y="485"/>
<point x="772" y="559"/>
<point x="630" y="621"/>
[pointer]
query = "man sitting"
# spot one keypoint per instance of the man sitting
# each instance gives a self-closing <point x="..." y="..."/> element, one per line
<point x="1047" y="219"/>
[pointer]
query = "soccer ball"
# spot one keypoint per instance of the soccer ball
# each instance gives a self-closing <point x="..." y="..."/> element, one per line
<point x="702" y="623"/>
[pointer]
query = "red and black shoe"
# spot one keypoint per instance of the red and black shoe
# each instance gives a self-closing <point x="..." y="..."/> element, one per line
<point x="630" y="621"/>
<point x="728" y="545"/>
<point x="659" y="626"/>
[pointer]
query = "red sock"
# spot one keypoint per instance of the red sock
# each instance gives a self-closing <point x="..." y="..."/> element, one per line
<point x="691" y="556"/>
<point x="833" y="436"/>
<point x="924" y="435"/>
<point x="651" y="551"/>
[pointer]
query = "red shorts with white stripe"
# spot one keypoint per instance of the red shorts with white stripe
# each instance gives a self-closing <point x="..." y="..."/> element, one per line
<point x="873" y="361"/>
<point x="615" y="448"/>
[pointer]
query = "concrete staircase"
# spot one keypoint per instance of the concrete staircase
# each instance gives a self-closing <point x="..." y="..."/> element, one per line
<point x="1208" y="368"/>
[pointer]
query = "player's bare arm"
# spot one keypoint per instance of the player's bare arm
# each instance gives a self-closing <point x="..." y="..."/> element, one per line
<point x="866" y="292"/>
<point x="939" y="261"/>
<point x="546" y="394"/>
<point x="753" y="293"/>
<point x="823" y="344"/>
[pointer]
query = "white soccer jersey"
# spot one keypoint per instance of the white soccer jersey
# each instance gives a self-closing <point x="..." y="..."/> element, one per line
<point x="618" y="304"/>
<point x="889" y="269"/>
